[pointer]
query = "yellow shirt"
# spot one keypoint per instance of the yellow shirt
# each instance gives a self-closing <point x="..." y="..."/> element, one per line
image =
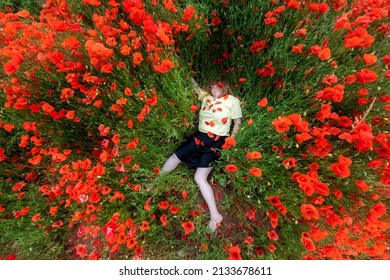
<point x="216" y="114"/>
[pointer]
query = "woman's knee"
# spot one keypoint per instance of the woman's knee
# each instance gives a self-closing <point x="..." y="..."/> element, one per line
<point x="201" y="176"/>
<point x="199" y="179"/>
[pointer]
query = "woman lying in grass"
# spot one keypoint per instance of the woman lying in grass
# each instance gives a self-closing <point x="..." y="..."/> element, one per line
<point x="218" y="110"/>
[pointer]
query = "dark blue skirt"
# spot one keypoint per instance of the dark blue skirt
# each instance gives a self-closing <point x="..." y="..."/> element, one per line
<point x="200" y="150"/>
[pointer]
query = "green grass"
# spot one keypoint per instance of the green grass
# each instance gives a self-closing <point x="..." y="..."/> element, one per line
<point x="289" y="91"/>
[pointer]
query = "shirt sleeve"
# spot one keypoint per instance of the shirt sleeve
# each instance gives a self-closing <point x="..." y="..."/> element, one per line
<point x="236" y="109"/>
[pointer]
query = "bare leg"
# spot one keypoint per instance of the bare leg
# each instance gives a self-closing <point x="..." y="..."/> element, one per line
<point x="170" y="164"/>
<point x="208" y="195"/>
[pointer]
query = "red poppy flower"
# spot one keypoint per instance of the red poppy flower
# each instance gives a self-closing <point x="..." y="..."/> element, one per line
<point x="337" y="193"/>
<point x="188" y="227"/>
<point x="57" y="224"/>
<point x="193" y="108"/>
<point x="269" y="19"/>
<point x="53" y="210"/>
<point x="279" y="10"/>
<point x="335" y="93"/>
<point x="318" y="7"/>
<point x="330" y="79"/>
<point x="35" y="160"/>
<point x="363" y="186"/>
<point x="152" y="101"/>
<point x="302" y="137"/>
<point x="263" y="102"/>
<point x="309" y="212"/>
<point x="215" y="21"/>
<point x="137" y="58"/>
<point x="11" y="66"/>
<point x="188" y="13"/>
<point x="229" y="142"/>
<point x="340" y="170"/>
<point x="289" y="163"/>
<point x="274" y="217"/>
<point x="36" y="217"/>
<point x="300" y="32"/>
<point x="362" y="136"/>
<point x="274" y="200"/>
<point x="164" y="67"/>
<point x="293" y="4"/>
<point x="324" y="54"/>
<point x="8" y="127"/>
<point x="331" y="252"/>
<point x="344" y="122"/>
<point x="308" y="244"/>
<point x="271" y="247"/>
<point x="308" y="188"/>
<point x="282" y="209"/>
<point x="272" y="235"/>
<point x="358" y="38"/>
<point x="163" y="204"/>
<point x="366" y="76"/>
<point x="282" y="124"/>
<point x="250" y="214"/>
<point x="235" y="253"/>
<point x="256" y="172"/>
<point x="257" y="46"/>
<point x="131" y="243"/>
<point x="173" y="209"/>
<point x="168" y="4"/>
<point x="318" y="234"/>
<point x="253" y="155"/>
<point x="231" y="168"/>
<point x="278" y="35"/>
<point x="106" y="68"/>
<point x="266" y="71"/>
<point x="81" y="250"/>
<point x="164" y="221"/>
<point x="144" y="226"/>
<point x="248" y="240"/>
<point x="297" y="49"/>
<point x="369" y="59"/>
<point x="94" y="197"/>
<point x="313" y="166"/>
<point x="321" y="188"/>
<point x="375" y="164"/>
<point x="363" y="91"/>
<point x="378" y="210"/>
<point x="147" y="204"/>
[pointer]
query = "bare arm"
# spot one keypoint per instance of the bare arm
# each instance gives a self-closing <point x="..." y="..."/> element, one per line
<point x="236" y="127"/>
<point x="198" y="90"/>
<point x="196" y="86"/>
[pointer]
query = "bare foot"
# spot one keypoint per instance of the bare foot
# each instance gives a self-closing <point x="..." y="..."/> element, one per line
<point x="215" y="222"/>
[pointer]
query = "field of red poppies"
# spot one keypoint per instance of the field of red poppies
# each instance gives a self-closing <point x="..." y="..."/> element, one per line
<point x="95" y="95"/>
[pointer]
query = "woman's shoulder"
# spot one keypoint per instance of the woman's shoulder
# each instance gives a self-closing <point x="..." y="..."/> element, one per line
<point x="232" y="98"/>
